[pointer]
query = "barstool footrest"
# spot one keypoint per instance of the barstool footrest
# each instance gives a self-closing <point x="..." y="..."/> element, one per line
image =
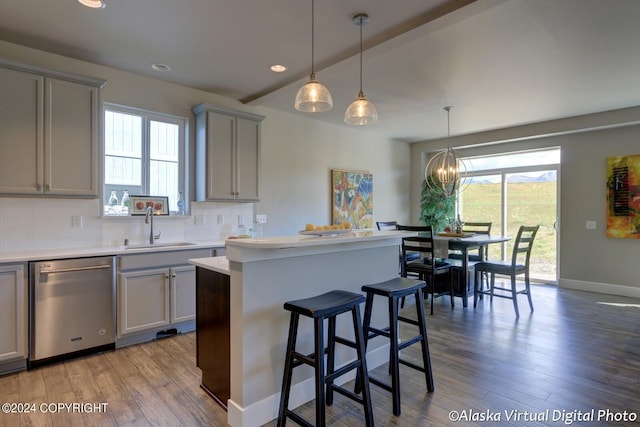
<point x="380" y="383"/>
<point x="347" y="393"/>
<point x="343" y="370"/>
<point x="298" y="419"/>
<point x="406" y="343"/>
<point x="375" y="332"/>
<point x="409" y="321"/>
<point x="346" y="342"/>
<point x="300" y="359"/>
<point x="411" y="365"/>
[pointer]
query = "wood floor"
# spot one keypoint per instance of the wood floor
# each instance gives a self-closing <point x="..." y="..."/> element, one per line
<point x="576" y="353"/>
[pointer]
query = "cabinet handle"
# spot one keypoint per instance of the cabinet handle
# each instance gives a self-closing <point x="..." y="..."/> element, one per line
<point x="173" y="275"/>
<point x="166" y="276"/>
<point x="47" y="187"/>
<point x="39" y="187"/>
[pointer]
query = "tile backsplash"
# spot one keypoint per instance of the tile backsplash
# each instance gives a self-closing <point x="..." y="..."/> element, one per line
<point x="30" y="223"/>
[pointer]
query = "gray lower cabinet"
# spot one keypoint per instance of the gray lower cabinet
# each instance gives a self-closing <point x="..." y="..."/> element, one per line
<point x="156" y="292"/>
<point x="13" y="317"/>
<point x="227" y="154"/>
<point x="48" y="132"/>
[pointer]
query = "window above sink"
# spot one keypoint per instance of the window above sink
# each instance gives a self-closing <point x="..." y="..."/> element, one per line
<point x="144" y="154"/>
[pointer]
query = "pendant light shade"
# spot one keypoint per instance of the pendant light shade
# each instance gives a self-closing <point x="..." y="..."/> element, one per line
<point x="313" y="97"/>
<point x="445" y="172"/>
<point x="361" y="111"/>
<point x="95" y="4"/>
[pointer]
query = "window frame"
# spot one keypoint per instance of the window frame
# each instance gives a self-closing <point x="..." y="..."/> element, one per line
<point x="147" y="116"/>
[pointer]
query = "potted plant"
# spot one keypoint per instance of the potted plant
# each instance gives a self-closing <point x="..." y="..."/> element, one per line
<point x="436" y="208"/>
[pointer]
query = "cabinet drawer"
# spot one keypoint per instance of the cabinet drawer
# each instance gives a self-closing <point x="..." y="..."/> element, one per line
<point x="161" y="259"/>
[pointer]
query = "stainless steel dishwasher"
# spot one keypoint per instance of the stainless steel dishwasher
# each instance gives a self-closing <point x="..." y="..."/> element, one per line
<point x="72" y="309"/>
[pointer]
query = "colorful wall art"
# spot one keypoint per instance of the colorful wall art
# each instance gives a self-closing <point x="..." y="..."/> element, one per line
<point x="352" y="193"/>
<point x="623" y="197"/>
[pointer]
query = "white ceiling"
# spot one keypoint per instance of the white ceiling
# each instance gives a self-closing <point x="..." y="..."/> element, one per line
<point x="499" y="63"/>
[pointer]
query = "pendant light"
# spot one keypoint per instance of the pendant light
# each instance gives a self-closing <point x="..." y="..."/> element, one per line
<point x="95" y="4"/>
<point x="445" y="172"/>
<point x="361" y="111"/>
<point x="313" y="96"/>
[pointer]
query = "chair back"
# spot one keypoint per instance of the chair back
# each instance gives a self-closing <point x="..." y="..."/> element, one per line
<point x="422" y="244"/>
<point x="386" y="225"/>
<point x="477" y="227"/>
<point x="523" y="245"/>
<point x="420" y="228"/>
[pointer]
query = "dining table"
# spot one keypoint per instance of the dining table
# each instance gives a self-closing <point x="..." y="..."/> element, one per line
<point x="464" y="243"/>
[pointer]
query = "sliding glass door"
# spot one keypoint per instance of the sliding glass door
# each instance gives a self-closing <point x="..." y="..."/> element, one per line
<point x="518" y="193"/>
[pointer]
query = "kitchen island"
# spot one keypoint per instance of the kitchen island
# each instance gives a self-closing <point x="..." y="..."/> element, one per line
<point x="266" y="272"/>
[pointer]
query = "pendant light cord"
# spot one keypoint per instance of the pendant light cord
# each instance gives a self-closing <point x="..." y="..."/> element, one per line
<point x="361" y="23"/>
<point x="313" y="19"/>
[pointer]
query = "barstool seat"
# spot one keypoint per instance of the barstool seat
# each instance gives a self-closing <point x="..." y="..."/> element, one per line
<point x="325" y="306"/>
<point x="395" y="290"/>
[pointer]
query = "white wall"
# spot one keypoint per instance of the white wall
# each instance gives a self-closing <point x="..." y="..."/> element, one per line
<point x="298" y="154"/>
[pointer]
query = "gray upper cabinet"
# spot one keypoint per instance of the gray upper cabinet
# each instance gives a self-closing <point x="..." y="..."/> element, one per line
<point x="48" y="132"/>
<point x="227" y="154"/>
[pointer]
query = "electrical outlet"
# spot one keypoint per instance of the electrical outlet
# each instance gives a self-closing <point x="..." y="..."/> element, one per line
<point x="220" y="219"/>
<point x="591" y="225"/>
<point x="199" y="219"/>
<point x="240" y="219"/>
<point x="76" y="221"/>
<point x="261" y="219"/>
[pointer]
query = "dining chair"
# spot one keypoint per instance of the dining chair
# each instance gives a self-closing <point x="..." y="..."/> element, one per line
<point x="520" y="261"/>
<point x="386" y="225"/>
<point x="427" y="267"/>
<point x="476" y="255"/>
<point x="475" y="228"/>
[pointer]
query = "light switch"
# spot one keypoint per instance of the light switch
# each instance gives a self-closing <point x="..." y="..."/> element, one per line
<point x="591" y="225"/>
<point x="76" y="221"/>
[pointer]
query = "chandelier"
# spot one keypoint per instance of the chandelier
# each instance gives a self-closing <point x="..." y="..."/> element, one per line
<point x="445" y="172"/>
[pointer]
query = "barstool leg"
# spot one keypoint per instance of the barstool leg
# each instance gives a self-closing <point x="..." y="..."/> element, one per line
<point x="319" y="368"/>
<point x="426" y="358"/>
<point x="393" y="360"/>
<point x="368" y="306"/>
<point x="288" y="369"/>
<point x="362" y="372"/>
<point x="331" y="357"/>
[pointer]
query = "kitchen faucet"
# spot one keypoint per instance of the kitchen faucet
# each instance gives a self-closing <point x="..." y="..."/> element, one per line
<point x="148" y="219"/>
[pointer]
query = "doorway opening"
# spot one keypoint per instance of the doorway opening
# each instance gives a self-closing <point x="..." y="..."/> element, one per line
<point x="514" y="189"/>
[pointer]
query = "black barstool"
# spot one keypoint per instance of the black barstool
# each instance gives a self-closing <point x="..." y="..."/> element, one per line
<point x="325" y="306"/>
<point x="394" y="290"/>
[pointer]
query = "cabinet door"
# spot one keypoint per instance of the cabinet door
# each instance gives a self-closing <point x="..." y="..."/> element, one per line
<point x="143" y="300"/>
<point x="21" y="132"/>
<point x="183" y="293"/>
<point x="13" y="313"/>
<point x="220" y="146"/>
<point x="71" y="138"/>
<point x="247" y="160"/>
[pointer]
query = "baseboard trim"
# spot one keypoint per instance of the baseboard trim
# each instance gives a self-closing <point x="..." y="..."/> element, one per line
<point x="265" y="410"/>
<point x="601" y="288"/>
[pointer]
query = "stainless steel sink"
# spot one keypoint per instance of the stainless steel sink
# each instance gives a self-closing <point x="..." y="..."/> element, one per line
<point x="159" y="245"/>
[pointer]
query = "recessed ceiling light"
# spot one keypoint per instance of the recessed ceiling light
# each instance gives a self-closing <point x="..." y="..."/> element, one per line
<point x="96" y="4"/>
<point x="160" y="67"/>
<point x="277" y="68"/>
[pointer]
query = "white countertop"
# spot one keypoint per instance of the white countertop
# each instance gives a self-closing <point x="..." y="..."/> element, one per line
<point x="257" y="249"/>
<point x="284" y="242"/>
<point x="60" y="253"/>
<point x="218" y="263"/>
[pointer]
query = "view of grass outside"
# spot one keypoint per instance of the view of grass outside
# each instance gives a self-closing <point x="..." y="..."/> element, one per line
<point x="528" y="203"/>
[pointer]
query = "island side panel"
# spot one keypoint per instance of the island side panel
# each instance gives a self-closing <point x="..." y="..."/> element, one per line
<point x="259" y="324"/>
<point x="212" y="331"/>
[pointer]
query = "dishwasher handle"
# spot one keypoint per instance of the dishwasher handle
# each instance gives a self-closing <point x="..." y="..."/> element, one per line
<point x="68" y="270"/>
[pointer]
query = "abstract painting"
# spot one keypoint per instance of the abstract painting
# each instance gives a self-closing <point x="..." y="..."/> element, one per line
<point x="352" y="193"/>
<point x="623" y="197"/>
